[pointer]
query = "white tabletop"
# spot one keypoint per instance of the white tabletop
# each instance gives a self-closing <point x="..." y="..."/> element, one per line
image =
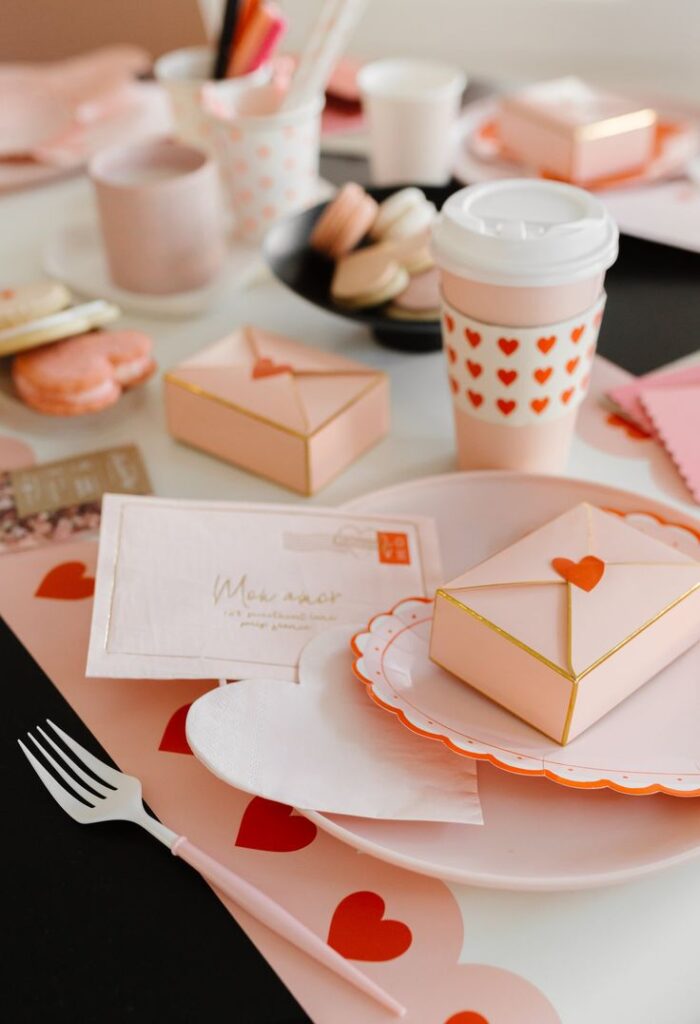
<point x="625" y="955"/>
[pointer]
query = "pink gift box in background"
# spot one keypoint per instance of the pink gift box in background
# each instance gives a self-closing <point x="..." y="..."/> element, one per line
<point x="568" y="130"/>
<point x="567" y="622"/>
<point x="278" y="408"/>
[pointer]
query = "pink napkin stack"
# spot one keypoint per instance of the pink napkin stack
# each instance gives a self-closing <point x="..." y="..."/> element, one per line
<point x="666" y="404"/>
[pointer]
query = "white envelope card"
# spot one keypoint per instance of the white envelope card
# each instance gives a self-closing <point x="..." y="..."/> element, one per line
<point x="204" y="589"/>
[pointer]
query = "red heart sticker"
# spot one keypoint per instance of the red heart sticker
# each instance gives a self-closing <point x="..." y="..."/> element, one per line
<point x="572" y="364"/>
<point x="265" y="367"/>
<point x="507" y="376"/>
<point x="67" y="582"/>
<point x="585" y="574"/>
<point x="539" y="404"/>
<point x="473" y="337"/>
<point x="174" y="740"/>
<point x="508" y="345"/>
<point x="505" y="407"/>
<point x="474" y="368"/>
<point x="577" y="333"/>
<point x="475" y="398"/>
<point x="359" y="930"/>
<point x="544" y="344"/>
<point x="542" y="375"/>
<point x="274" y="827"/>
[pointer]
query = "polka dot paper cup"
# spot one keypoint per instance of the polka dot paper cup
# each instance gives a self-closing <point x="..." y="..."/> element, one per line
<point x="269" y="161"/>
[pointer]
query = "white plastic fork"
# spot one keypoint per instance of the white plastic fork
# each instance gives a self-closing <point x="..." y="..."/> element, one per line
<point x="114" y="796"/>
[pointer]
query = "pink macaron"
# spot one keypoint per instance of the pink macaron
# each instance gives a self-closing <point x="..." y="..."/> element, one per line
<point x="83" y="374"/>
<point x="344" y="222"/>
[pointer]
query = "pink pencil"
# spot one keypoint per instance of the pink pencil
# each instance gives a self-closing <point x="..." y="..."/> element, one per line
<point x="259" y="39"/>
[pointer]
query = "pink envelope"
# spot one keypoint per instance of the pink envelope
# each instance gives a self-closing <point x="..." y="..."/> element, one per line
<point x="627" y="396"/>
<point x="284" y="410"/>
<point x="675" y="414"/>
<point x="563" y="625"/>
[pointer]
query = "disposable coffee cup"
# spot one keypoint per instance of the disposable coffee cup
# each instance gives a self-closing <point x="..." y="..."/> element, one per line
<point x="412" y="107"/>
<point x="522" y="266"/>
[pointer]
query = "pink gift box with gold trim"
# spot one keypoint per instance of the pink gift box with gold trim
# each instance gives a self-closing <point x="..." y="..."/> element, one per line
<point x="566" y="129"/>
<point x="278" y="408"/>
<point x="569" y="621"/>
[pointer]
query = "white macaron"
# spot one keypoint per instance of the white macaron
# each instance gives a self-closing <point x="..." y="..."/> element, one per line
<point x="403" y="214"/>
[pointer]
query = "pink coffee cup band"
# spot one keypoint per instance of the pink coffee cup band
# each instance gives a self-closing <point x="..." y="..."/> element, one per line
<point x="519" y="375"/>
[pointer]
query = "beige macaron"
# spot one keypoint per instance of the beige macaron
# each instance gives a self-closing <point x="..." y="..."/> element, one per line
<point x="368" y="277"/>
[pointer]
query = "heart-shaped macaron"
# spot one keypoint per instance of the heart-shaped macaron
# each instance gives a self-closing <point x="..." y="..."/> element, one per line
<point x="391" y="774"/>
<point x="585" y="574"/>
<point x="82" y="374"/>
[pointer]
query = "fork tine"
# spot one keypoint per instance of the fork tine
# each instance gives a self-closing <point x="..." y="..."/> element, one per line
<point x="66" y="800"/>
<point x="100" y="788"/>
<point x="110" y="776"/>
<point x="77" y="787"/>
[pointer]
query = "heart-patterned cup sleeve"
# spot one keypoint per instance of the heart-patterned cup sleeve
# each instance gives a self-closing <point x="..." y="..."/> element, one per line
<point x="519" y="375"/>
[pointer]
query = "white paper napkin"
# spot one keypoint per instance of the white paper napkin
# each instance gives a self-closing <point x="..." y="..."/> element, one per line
<point x="324" y="745"/>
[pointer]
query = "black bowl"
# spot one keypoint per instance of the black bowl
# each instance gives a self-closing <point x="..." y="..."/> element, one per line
<point x="308" y="274"/>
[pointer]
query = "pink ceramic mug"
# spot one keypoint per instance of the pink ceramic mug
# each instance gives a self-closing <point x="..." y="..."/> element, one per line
<point x="160" y="213"/>
<point x="522" y="265"/>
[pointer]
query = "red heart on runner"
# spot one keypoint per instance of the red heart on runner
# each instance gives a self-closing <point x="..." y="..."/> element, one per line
<point x="269" y="825"/>
<point x="359" y="930"/>
<point x="67" y="582"/>
<point x="174" y="740"/>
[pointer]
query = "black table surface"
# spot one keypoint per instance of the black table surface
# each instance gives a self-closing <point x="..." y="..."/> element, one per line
<point x="103" y="924"/>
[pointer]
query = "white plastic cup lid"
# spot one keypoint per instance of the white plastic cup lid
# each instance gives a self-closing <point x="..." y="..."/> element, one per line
<point x="521" y="232"/>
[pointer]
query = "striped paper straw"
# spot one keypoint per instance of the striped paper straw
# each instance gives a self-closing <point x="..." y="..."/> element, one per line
<point x="327" y="41"/>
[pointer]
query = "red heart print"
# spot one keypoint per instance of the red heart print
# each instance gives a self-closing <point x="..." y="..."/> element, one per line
<point x="359" y="930"/>
<point x="544" y="344"/>
<point x="598" y="318"/>
<point x="543" y="374"/>
<point x="174" y="740"/>
<point x="539" y="404"/>
<point x="590" y="351"/>
<point x="507" y="376"/>
<point x="572" y="364"/>
<point x="584" y="381"/>
<point x="449" y="323"/>
<point x="585" y="574"/>
<point x="451" y="354"/>
<point x="273" y="827"/>
<point x="467" y="1017"/>
<point x="505" y="407"/>
<point x="67" y="582"/>
<point x="475" y="398"/>
<point x="265" y="367"/>
<point x="474" y="368"/>
<point x="473" y="337"/>
<point x="454" y="385"/>
<point x="566" y="395"/>
<point x="508" y="345"/>
<point x="577" y="333"/>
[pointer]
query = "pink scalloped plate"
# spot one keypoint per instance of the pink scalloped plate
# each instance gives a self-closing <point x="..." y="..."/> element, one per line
<point x="537" y="835"/>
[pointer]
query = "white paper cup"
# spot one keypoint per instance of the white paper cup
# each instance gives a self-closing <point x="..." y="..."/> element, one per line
<point x="412" y="108"/>
<point x="184" y="73"/>
<point x="269" y="161"/>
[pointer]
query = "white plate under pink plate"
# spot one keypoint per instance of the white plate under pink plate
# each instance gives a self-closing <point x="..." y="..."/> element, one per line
<point x="537" y="835"/>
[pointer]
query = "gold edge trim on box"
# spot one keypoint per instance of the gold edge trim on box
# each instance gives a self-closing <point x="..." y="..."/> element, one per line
<point x="507" y="636"/>
<point x="550" y="664"/>
<point x="603" y="128"/>
<point x="378" y="377"/>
